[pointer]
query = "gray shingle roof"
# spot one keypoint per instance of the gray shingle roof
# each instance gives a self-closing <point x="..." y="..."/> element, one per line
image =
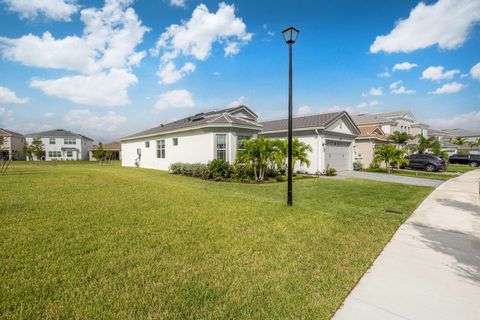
<point x="463" y="133"/>
<point x="367" y="118"/>
<point x="216" y="117"/>
<point x="56" y="133"/>
<point x="314" y="121"/>
<point x="9" y="133"/>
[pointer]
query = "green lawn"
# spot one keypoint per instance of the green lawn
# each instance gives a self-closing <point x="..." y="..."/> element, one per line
<point x="417" y="174"/>
<point x="78" y="240"/>
<point x="458" y="168"/>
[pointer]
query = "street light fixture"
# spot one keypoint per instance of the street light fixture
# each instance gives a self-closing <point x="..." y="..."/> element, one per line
<point x="290" y="35"/>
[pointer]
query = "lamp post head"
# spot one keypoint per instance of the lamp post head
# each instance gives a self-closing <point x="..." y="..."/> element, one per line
<point x="290" y="35"/>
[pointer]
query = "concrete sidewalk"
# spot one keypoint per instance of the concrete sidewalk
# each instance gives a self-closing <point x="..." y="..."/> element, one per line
<point x="431" y="267"/>
<point x="390" y="178"/>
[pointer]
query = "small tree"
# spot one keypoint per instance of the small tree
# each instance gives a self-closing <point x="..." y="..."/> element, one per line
<point x="458" y="141"/>
<point x="260" y="153"/>
<point x="28" y="151"/>
<point x="299" y="153"/>
<point x="99" y="153"/>
<point x="475" y="143"/>
<point x="400" y="138"/>
<point x="425" y="144"/>
<point x="38" y="149"/>
<point x="389" y="154"/>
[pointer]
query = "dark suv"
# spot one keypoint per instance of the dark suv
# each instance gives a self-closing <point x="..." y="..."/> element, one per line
<point x="473" y="160"/>
<point x="427" y="162"/>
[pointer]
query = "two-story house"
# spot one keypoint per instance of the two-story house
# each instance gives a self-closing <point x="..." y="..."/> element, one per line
<point x="12" y="147"/>
<point x="62" y="144"/>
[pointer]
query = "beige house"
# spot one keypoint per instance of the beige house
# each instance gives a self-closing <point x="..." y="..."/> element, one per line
<point x="371" y="136"/>
<point x="114" y="147"/>
<point x="12" y="147"/>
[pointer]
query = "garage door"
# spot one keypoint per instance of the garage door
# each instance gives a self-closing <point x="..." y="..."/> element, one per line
<point x="337" y="155"/>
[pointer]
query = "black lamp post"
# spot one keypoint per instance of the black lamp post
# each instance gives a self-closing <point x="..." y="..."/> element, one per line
<point x="290" y="35"/>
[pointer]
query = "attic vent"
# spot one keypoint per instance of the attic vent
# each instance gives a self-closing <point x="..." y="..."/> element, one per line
<point x="161" y="125"/>
<point x="198" y="117"/>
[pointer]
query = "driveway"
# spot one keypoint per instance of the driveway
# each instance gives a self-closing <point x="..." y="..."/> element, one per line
<point x="391" y="178"/>
<point x="431" y="267"/>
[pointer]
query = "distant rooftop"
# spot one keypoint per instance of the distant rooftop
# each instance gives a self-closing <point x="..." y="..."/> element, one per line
<point x="369" y="118"/>
<point x="463" y="133"/>
<point x="9" y="133"/>
<point x="61" y="133"/>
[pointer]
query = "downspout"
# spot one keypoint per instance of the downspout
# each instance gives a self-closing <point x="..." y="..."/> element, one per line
<point x="317" y="153"/>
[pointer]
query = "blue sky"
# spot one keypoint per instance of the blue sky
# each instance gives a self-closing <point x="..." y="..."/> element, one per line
<point x="107" y="69"/>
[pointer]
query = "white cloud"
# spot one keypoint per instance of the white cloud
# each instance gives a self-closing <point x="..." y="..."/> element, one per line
<point x="109" y="39"/>
<point x="365" y="104"/>
<point x="437" y="73"/>
<point x="168" y="73"/>
<point x="338" y="109"/>
<point x="101" y="89"/>
<point x="51" y="9"/>
<point x="178" y="3"/>
<point x="174" y="99"/>
<point x="449" y="88"/>
<point x="240" y="101"/>
<point x="376" y="92"/>
<point x="9" y="96"/>
<point x="397" y="88"/>
<point x="404" y="66"/>
<point x="304" y="111"/>
<point x="5" y="116"/>
<point x="85" y="120"/>
<point x="216" y="73"/>
<point x="446" y="23"/>
<point x="48" y="114"/>
<point x="195" y="38"/>
<point x="468" y="120"/>
<point x="384" y="74"/>
<point x="475" y="71"/>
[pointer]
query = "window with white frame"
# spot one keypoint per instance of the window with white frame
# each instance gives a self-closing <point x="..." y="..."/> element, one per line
<point x="175" y="141"/>
<point x="147" y="144"/>
<point x="240" y="140"/>
<point x="70" y="141"/>
<point x="161" y="149"/>
<point x="221" y="146"/>
<point x="69" y="154"/>
<point x="54" y="154"/>
<point x="51" y="140"/>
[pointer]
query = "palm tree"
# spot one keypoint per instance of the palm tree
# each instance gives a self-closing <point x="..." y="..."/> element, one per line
<point x="299" y="153"/>
<point x="260" y="153"/>
<point x="400" y="138"/>
<point x="475" y="143"/>
<point x="458" y="141"/>
<point x="427" y="143"/>
<point x="389" y="154"/>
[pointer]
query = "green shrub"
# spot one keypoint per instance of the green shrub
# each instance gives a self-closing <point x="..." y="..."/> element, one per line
<point x="272" y="172"/>
<point x="330" y="172"/>
<point x="176" y="168"/>
<point x="241" y="171"/>
<point x="357" y="166"/>
<point x="374" y="165"/>
<point x="281" y="178"/>
<point x="272" y="180"/>
<point x="188" y="169"/>
<point x="218" y="168"/>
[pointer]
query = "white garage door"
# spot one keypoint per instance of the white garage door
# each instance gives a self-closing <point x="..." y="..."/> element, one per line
<point x="337" y="155"/>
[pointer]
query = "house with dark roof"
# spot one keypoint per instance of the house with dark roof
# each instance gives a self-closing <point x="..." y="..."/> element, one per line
<point x="331" y="136"/>
<point x="62" y="144"/>
<point x="219" y="134"/>
<point x="12" y="147"/>
<point x="115" y="148"/>
<point x="371" y="136"/>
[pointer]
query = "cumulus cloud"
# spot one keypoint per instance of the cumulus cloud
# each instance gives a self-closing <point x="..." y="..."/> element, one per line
<point x="468" y="120"/>
<point x="449" y="88"/>
<point x="48" y="115"/>
<point x="446" y="23"/>
<point x="437" y="73"/>
<point x="238" y="102"/>
<point x="85" y="120"/>
<point x="51" y="9"/>
<point x="195" y="38"/>
<point x="175" y="99"/>
<point x="178" y="3"/>
<point x="304" y="111"/>
<point x="384" y="74"/>
<point x="5" y="116"/>
<point x="397" y="88"/>
<point x="365" y="104"/>
<point x="376" y="92"/>
<point x="404" y="66"/>
<point x="9" y="96"/>
<point x="475" y="71"/>
<point x="105" y="89"/>
<point x="168" y="73"/>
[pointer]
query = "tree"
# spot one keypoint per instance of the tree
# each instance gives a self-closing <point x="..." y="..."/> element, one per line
<point x="458" y="141"/>
<point x="38" y="149"/>
<point x="389" y="154"/>
<point x="260" y="153"/>
<point x="427" y="143"/>
<point x="400" y="138"/>
<point x="99" y="153"/>
<point x="27" y="149"/>
<point x="475" y="143"/>
<point x="2" y="142"/>
<point x="299" y="153"/>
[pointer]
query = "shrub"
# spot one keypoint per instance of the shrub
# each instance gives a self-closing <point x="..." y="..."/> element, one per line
<point x="218" y="168"/>
<point x="242" y="172"/>
<point x="357" y="166"/>
<point x="281" y="178"/>
<point x="330" y="172"/>
<point x="272" y="180"/>
<point x="374" y="165"/>
<point x="272" y="172"/>
<point x="176" y="168"/>
<point x="188" y="169"/>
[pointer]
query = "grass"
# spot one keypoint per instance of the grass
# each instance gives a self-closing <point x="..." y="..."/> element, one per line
<point x="461" y="169"/>
<point x="78" y="240"/>
<point x="416" y="174"/>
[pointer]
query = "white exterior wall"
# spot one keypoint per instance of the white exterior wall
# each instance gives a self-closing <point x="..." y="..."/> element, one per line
<point x="81" y="144"/>
<point x="14" y="146"/>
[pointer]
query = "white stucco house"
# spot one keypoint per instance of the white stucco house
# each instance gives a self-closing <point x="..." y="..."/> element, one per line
<point x="218" y="135"/>
<point x="371" y="136"/>
<point x="12" y="147"/>
<point x="389" y="122"/>
<point x="62" y="144"/>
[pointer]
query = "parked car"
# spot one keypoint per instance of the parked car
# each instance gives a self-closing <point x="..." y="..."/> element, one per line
<point x="473" y="160"/>
<point x="426" y="162"/>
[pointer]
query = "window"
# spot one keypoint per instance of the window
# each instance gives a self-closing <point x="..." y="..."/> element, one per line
<point x="337" y="143"/>
<point x="69" y="154"/>
<point x="175" y="141"/>
<point x="147" y="144"/>
<point x="54" y="154"/>
<point x="70" y="141"/>
<point x="241" y="140"/>
<point x="51" y="140"/>
<point x="161" y="149"/>
<point x="221" y="146"/>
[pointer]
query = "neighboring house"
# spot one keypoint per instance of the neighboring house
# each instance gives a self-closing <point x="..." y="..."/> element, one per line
<point x="62" y="144"/>
<point x="114" y="147"/>
<point x="401" y="120"/>
<point x="199" y="138"/>
<point x="12" y="147"/>
<point x="331" y="136"/>
<point x="462" y="133"/>
<point x="371" y="136"/>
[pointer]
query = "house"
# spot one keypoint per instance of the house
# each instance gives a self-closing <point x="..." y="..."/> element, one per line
<point x="198" y="138"/>
<point x="371" y="136"/>
<point x="13" y="143"/>
<point x="401" y="120"/>
<point x="462" y="133"/>
<point x="114" y="147"/>
<point x="331" y="136"/>
<point x="62" y="144"/>
<point x="218" y="135"/>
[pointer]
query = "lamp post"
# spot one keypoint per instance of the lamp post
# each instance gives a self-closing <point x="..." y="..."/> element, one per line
<point x="290" y="35"/>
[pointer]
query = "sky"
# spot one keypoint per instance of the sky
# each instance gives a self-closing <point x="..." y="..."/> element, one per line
<point x="107" y="69"/>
